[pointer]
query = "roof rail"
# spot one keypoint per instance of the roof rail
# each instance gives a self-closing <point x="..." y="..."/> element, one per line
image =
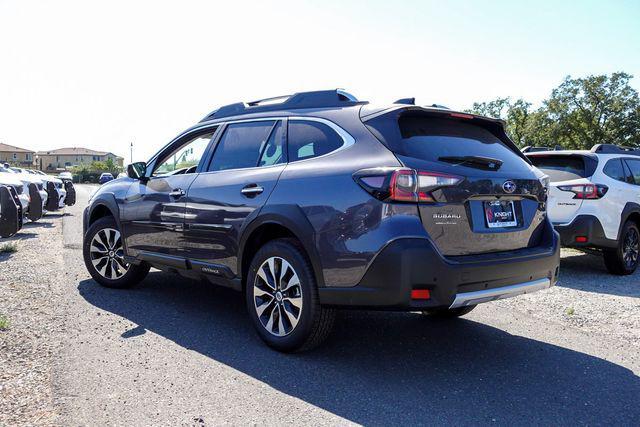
<point x="315" y="99"/>
<point x="614" y="149"/>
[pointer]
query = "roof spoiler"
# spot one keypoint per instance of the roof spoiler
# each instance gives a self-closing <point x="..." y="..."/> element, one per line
<point x="530" y="149"/>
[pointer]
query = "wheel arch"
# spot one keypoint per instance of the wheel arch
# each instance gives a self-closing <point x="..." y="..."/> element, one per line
<point x="630" y="212"/>
<point x="276" y="222"/>
<point x="104" y="205"/>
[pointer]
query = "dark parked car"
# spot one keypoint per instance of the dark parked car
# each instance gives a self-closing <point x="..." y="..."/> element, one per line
<point x="316" y="201"/>
<point x="105" y="177"/>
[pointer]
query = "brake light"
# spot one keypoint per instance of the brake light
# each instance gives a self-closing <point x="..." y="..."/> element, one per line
<point x="586" y="191"/>
<point x="403" y="184"/>
<point x="461" y="116"/>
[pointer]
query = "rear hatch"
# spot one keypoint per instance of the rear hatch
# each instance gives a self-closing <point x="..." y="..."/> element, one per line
<point x="493" y="200"/>
<point x="564" y="170"/>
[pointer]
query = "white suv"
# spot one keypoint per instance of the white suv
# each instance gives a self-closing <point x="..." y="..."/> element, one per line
<point x="594" y="200"/>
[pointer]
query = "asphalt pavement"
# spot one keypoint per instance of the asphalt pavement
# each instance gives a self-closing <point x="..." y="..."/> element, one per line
<point x="177" y="352"/>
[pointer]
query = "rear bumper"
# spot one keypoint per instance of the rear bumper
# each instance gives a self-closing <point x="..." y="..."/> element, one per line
<point x="413" y="263"/>
<point x="587" y="226"/>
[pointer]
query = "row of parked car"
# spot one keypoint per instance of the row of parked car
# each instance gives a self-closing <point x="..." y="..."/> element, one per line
<point x="27" y="194"/>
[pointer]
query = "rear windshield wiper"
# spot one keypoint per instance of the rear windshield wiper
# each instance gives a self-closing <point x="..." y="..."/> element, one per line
<point x="474" y="161"/>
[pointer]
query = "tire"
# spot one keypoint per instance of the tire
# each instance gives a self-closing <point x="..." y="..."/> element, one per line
<point x="305" y="324"/>
<point x="623" y="260"/>
<point x="106" y="264"/>
<point x="448" y="313"/>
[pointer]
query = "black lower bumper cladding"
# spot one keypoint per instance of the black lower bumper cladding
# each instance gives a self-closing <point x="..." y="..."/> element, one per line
<point x="70" y="200"/>
<point x="585" y="231"/>
<point x="53" y="199"/>
<point x="35" y="204"/>
<point x="10" y="211"/>
<point x="414" y="264"/>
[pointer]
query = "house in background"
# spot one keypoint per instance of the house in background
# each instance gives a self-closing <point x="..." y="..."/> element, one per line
<point x="16" y="156"/>
<point x="65" y="158"/>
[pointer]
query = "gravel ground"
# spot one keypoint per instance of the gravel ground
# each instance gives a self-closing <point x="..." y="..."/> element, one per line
<point x="177" y="352"/>
<point x="588" y="298"/>
<point x="29" y="289"/>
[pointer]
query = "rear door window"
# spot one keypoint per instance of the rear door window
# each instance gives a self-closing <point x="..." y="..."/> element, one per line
<point x="248" y="145"/>
<point x="634" y="166"/>
<point x="560" y="168"/>
<point x="308" y="139"/>
<point x="445" y="140"/>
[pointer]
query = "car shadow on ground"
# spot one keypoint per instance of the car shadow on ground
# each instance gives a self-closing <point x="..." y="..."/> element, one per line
<point x="388" y="367"/>
<point x="38" y="224"/>
<point x="58" y="215"/>
<point x="587" y="273"/>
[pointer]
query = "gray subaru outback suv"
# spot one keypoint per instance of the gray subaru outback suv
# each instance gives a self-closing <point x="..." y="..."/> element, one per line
<point x="317" y="201"/>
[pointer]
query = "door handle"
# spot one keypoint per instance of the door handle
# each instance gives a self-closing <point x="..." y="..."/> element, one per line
<point x="177" y="193"/>
<point x="252" y="190"/>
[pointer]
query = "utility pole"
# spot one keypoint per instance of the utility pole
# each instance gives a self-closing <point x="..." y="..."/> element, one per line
<point x="131" y="152"/>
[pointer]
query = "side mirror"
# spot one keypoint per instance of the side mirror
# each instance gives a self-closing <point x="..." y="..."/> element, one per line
<point x="137" y="170"/>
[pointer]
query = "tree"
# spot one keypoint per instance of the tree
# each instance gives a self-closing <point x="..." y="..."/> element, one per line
<point x="579" y="114"/>
<point x="112" y="167"/>
<point x="516" y="114"/>
<point x="595" y="110"/>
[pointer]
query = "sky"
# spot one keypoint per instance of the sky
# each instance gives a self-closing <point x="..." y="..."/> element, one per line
<point x="104" y="74"/>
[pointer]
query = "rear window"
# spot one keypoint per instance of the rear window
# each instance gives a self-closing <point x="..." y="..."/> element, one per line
<point x="561" y="168"/>
<point x="434" y="139"/>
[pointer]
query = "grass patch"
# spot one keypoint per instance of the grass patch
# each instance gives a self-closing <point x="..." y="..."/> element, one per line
<point x="4" y="323"/>
<point x="570" y="311"/>
<point x="9" y="248"/>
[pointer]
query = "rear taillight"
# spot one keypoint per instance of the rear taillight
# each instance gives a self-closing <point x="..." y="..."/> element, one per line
<point x="404" y="185"/>
<point x="586" y="191"/>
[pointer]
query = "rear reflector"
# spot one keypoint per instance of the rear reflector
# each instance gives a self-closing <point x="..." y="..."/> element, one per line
<point x="581" y="239"/>
<point x="420" y="294"/>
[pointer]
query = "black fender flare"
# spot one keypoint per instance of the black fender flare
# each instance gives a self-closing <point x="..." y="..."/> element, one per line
<point x="292" y="218"/>
<point x="629" y="209"/>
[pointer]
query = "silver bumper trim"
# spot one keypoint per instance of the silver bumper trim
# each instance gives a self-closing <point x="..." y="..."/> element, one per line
<point x="486" y="295"/>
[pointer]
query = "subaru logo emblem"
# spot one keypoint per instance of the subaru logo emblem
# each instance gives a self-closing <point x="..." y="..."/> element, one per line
<point x="509" y="187"/>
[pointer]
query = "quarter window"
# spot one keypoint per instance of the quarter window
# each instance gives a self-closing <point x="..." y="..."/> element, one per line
<point x="249" y="145"/>
<point x="634" y="166"/>
<point x="307" y="139"/>
<point x="613" y="169"/>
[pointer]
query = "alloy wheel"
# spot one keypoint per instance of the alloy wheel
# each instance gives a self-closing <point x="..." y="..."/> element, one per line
<point x="277" y="296"/>
<point x="630" y="248"/>
<point x="107" y="254"/>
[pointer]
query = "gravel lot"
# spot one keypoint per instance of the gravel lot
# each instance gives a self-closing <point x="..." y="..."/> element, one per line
<point x="30" y="285"/>
<point x="173" y="351"/>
